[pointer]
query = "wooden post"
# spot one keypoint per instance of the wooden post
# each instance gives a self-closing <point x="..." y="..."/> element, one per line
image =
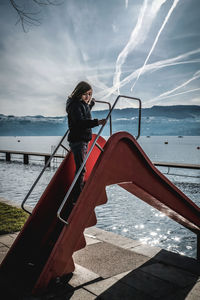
<point x="46" y="160"/>
<point x="26" y="159"/>
<point x="198" y="246"/>
<point x="8" y="156"/>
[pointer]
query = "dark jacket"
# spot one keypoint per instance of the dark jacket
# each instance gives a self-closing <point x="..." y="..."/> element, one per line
<point x="79" y="120"/>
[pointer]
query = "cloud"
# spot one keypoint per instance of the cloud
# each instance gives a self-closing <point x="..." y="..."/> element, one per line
<point x="108" y="45"/>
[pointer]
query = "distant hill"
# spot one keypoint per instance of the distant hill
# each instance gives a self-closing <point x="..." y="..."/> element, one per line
<point x="157" y="120"/>
<point x="174" y="111"/>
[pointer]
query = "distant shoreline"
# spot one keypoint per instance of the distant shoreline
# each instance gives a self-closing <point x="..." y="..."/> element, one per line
<point x="13" y="203"/>
<point x="157" y="120"/>
<point x="9" y="202"/>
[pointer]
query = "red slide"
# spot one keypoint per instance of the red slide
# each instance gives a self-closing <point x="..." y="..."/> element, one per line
<point x="29" y="253"/>
<point x="52" y="244"/>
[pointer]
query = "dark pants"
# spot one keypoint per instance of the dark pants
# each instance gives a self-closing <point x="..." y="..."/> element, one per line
<point x="79" y="150"/>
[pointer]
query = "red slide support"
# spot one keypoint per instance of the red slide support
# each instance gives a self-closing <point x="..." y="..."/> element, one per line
<point x="123" y="162"/>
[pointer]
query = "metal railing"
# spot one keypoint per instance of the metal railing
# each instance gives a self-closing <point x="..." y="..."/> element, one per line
<point x="53" y="154"/>
<point x="89" y="152"/>
<point x="110" y="117"/>
<point x="40" y="175"/>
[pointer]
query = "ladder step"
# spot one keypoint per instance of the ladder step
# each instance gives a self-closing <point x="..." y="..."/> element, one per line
<point x="102" y="198"/>
<point x="81" y="243"/>
<point x="70" y="267"/>
<point x="92" y="220"/>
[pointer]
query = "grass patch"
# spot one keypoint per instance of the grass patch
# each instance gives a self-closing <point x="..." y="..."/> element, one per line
<point x="12" y="218"/>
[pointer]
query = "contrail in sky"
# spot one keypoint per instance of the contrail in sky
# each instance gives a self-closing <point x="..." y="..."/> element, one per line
<point x="138" y="35"/>
<point x="156" y="39"/>
<point x="195" y="76"/>
<point x="181" y="93"/>
<point x="162" y="64"/>
<point x="129" y="46"/>
<point x="152" y="67"/>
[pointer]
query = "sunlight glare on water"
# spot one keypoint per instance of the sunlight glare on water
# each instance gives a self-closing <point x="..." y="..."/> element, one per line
<point x="141" y="220"/>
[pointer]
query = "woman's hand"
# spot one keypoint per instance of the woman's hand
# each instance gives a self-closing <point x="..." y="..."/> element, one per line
<point x="102" y="122"/>
<point x="91" y="103"/>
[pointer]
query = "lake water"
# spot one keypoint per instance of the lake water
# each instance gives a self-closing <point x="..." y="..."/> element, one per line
<point x="124" y="213"/>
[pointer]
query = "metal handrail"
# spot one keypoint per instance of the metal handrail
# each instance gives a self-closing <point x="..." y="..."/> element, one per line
<point x="88" y="154"/>
<point x="52" y="155"/>
<point x="110" y="114"/>
<point x="39" y="176"/>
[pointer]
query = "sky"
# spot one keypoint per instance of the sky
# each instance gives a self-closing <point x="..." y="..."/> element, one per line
<point x="149" y="49"/>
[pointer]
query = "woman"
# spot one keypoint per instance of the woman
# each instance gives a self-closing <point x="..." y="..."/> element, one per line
<point x="80" y="123"/>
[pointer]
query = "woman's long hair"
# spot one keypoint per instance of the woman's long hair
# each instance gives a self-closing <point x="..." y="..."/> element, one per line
<point x="81" y="88"/>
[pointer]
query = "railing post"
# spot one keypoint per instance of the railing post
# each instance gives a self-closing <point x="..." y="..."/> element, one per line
<point x="7" y="156"/>
<point x="198" y="246"/>
<point x="110" y="108"/>
<point x="46" y="159"/>
<point x="26" y="159"/>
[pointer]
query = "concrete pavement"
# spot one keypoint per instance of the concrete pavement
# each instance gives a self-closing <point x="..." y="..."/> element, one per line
<point x="118" y="268"/>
